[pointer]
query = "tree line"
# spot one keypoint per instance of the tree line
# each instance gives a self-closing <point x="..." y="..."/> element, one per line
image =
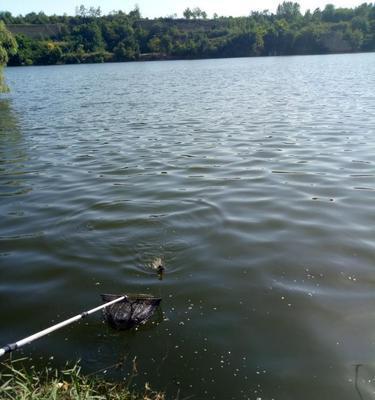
<point x="90" y="36"/>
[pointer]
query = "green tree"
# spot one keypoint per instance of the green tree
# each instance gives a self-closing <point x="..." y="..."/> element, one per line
<point x="81" y="11"/>
<point x="355" y="38"/>
<point x="95" y="12"/>
<point x="198" y="13"/>
<point x="6" y="17"/>
<point x="289" y="10"/>
<point x="116" y="31"/>
<point x="361" y="23"/>
<point x="166" y="44"/>
<point x="24" y="55"/>
<point x="135" y="14"/>
<point x="328" y="14"/>
<point x="50" y="54"/>
<point x="90" y="36"/>
<point x="308" y="40"/>
<point x="154" y="45"/>
<point x="8" y="47"/>
<point x="188" y="14"/>
<point x="243" y="45"/>
<point x="127" y="50"/>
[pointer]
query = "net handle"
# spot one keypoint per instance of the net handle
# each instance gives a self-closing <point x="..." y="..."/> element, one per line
<point x="14" y="346"/>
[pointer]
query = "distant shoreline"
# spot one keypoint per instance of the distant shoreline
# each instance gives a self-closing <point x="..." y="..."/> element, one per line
<point x="147" y="60"/>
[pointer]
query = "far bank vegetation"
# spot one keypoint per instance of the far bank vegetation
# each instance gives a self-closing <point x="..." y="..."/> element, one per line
<point x="90" y="36"/>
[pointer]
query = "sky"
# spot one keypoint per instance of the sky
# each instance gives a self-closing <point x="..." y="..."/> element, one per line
<point x="162" y="8"/>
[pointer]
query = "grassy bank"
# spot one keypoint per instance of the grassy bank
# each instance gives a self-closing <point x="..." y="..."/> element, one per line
<point x="20" y="383"/>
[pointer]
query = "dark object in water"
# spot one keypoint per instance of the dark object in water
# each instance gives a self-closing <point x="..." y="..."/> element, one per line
<point x="132" y="311"/>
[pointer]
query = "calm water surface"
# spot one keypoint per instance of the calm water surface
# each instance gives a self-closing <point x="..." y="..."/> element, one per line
<point x="253" y="179"/>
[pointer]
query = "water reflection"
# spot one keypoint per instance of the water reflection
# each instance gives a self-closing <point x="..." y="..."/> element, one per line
<point x="8" y="120"/>
<point x="13" y="153"/>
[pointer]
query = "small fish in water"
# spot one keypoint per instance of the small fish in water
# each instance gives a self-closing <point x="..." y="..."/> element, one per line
<point x="158" y="266"/>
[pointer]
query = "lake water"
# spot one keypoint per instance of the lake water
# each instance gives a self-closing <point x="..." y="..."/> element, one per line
<point x="254" y="181"/>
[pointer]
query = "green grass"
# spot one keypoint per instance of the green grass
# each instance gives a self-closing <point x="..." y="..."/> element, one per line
<point x="20" y="383"/>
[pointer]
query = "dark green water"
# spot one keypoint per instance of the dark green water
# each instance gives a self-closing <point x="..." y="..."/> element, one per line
<point x="254" y="180"/>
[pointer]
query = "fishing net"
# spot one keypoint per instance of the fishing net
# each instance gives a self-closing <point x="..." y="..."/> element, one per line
<point x="132" y="311"/>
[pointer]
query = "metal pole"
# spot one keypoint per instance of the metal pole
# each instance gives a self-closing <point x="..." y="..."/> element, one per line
<point x="11" y="347"/>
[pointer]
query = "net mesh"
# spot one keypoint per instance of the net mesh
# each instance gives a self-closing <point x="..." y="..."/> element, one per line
<point x="132" y="311"/>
